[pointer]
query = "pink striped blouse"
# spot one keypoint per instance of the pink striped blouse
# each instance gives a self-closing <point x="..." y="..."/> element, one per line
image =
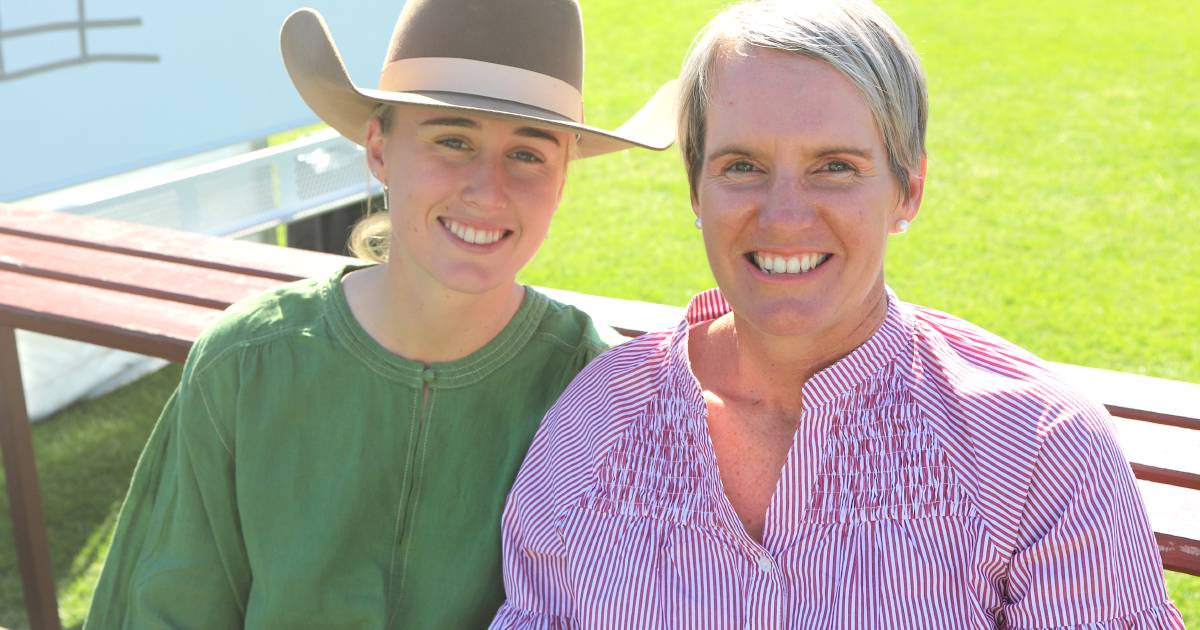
<point x="940" y="478"/>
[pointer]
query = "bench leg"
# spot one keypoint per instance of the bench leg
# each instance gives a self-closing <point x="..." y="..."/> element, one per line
<point x="24" y="498"/>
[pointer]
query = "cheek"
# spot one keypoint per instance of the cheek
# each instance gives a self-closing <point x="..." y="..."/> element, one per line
<point x="539" y="200"/>
<point x="724" y="211"/>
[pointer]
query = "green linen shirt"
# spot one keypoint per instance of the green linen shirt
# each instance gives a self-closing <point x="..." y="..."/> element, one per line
<point x="302" y="476"/>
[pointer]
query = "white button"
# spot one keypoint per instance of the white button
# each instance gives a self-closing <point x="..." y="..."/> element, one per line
<point x="764" y="563"/>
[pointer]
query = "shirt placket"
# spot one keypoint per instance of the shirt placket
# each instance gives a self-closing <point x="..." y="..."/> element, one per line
<point x="419" y="427"/>
<point x="766" y="594"/>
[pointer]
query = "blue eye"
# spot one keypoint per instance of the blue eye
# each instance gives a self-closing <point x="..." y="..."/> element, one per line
<point x="458" y="144"/>
<point x="741" y="166"/>
<point x="838" y="166"/>
<point x="526" y="156"/>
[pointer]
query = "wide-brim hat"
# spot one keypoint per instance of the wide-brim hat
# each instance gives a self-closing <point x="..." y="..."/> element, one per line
<point x="513" y="58"/>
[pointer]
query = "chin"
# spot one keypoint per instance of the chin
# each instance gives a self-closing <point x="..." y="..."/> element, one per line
<point x="475" y="282"/>
<point x="784" y="318"/>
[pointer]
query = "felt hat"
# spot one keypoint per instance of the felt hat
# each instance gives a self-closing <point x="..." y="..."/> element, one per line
<point x="518" y="59"/>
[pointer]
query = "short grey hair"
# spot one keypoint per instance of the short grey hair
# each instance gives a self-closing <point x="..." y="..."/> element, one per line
<point x="856" y="37"/>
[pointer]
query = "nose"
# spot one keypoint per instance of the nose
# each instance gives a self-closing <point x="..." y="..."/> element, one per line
<point x="484" y="187"/>
<point x="788" y="205"/>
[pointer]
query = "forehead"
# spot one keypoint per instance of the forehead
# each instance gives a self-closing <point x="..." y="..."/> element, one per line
<point x="422" y="116"/>
<point x="766" y="94"/>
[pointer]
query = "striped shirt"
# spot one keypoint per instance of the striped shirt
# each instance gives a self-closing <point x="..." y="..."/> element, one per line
<point x="940" y="477"/>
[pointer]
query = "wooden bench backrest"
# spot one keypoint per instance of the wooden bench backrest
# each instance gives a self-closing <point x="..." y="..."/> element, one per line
<point x="131" y="287"/>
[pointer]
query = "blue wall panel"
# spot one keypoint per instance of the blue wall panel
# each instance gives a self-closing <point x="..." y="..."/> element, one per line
<point x="145" y="81"/>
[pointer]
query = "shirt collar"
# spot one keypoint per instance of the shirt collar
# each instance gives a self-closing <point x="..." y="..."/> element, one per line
<point x="893" y="341"/>
<point x="463" y="372"/>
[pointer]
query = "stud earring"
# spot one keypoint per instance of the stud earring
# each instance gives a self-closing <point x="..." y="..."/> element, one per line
<point x="699" y="225"/>
<point x="902" y="226"/>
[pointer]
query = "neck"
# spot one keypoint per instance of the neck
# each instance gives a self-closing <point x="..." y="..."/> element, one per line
<point x="427" y="324"/>
<point x="743" y="362"/>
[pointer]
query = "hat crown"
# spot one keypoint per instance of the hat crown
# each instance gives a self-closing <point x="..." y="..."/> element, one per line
<point x="543" y="36"/>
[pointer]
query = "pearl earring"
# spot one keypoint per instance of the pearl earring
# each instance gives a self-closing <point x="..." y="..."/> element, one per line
<point x="699" y="225"/>
<point x="902" y="226"/>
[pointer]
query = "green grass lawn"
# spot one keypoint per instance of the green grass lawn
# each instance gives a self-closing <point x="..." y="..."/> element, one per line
<point x="1060" y="212"/>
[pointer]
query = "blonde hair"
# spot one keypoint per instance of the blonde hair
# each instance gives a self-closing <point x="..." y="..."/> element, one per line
<point x="856" y="37"/>
<point x="371" y="237"/>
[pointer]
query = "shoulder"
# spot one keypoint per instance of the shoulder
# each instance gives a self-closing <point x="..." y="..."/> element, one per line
<point x="628" y="372"/>
<point x="262" y="319"/>
<point x="568" y="328"/>
<point x="584" y="424"/>
<point x="601" y="402"/>
<point x="976" y="368"/>
<point x="1003" y="415"/>
<point x="605" y="395"/>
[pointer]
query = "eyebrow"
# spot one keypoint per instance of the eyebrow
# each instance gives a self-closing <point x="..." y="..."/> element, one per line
<point x="450" y="122"/>
<point x="528" y="132"/>
<point x="727" y="150"/>
<point x="821" y="152"/>
<point x="862" y="153"/>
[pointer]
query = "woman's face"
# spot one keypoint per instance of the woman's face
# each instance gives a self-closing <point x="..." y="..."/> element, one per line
<point x="470" y="196"/>
<point x="796" y="197"/>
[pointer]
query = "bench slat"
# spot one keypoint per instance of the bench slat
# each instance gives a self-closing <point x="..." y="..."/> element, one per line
<point x="145" y="325"/>
<point x="1166" y="476"/>
<point x="1179" y="554"/>
<point x="209" y="288"/>
<point x="144" y="241"/>
<point x="1137" y="397"/>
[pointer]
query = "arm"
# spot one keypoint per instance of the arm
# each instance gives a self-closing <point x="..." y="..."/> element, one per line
<point x="535" y="564"/>
<point x="1087" y="556"/>
<point x="177" y="558"/>
<point x="559" y="471"/>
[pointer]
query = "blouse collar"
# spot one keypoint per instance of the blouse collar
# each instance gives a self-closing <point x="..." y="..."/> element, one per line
<point x="893" y="341"/>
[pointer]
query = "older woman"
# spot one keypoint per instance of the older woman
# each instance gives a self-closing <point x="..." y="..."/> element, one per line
<point x="806" y="450"/>
<point x="338" y="451"/>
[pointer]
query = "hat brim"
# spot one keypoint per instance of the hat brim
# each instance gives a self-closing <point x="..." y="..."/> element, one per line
<point x="316" y="69"/>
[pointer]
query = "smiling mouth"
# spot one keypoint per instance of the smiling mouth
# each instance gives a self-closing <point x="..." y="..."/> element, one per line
<point x="772" y="264"/>
<point x="472" y="235"/>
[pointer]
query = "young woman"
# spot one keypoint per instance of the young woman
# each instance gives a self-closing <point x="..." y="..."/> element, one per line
<point x="338" y="451"/>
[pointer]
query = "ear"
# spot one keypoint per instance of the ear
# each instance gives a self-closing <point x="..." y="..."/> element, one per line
<point x="908" y="208"/>
<point x="376" y="143"/>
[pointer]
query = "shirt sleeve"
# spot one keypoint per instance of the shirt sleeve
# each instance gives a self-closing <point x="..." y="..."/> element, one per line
<point x="535" y="562"/>
<point x="1087" y="556"/>
<point x="177" y="558"/>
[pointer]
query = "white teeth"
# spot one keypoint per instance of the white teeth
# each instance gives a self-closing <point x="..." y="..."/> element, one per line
<point x="804" y="263"/>
<point x="472" y="235"/>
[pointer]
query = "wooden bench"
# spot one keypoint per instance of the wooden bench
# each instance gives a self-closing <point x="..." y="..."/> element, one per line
<point x="130" y="287"/>
<point x="152" y="291"/>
